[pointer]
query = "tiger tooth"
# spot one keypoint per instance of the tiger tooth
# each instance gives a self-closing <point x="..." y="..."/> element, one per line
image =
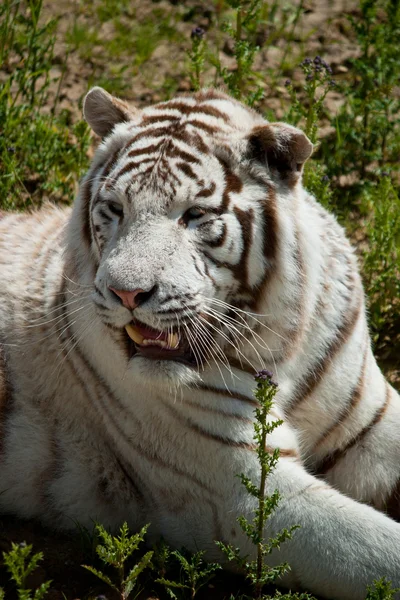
<point x="134" y="334"/>
<point x="154" y="342"/>
<point x="173" y="340"/>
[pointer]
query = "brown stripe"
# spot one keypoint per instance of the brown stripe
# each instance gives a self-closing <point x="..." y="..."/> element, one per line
<point x="353" y="401"/>
<point x="199" y="109"/>
<point x="186" y="421"/>
<point x="233" y="183"/>
<point x="86" y="191"/>
<point x="211" y="129"/>
<point x="283" y="452"/>
<point x="241" y="269"/>
<point x="315" y="374"/>
<point x="187" y="169"/>
<point x="216" y="411"/>
<point x="175" y="152"/>
<point x="151" y="119"/>
<point x="130" y="166"/>
<point x="392" y="504"/>
<point x="237" y="364"/>
<point x="270" y="246"/>
<point x="225" y="393"/>
<point x="331" y="461"/>
<point x="152" y="148"/>
<point x="206" y="193"/>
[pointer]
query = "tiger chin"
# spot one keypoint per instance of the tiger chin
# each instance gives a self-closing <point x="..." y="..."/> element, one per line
<point x="132" y="324"/>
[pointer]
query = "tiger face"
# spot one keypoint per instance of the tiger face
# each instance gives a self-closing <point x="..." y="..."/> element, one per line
<point x="178" y="213"/>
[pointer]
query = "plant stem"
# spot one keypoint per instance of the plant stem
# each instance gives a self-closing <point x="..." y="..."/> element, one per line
<point x="261" y="505"/>
<point x="239" y="73"/>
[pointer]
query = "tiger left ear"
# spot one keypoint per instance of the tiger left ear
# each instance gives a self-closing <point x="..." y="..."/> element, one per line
<point x="102" y="111"/>
<point x="283" y="148"/>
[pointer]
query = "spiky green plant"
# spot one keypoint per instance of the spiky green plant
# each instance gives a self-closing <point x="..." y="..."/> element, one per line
<point x="114" y="551"/>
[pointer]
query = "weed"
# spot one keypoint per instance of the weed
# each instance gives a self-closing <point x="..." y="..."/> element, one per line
<point x="368" y="124"/>
<point x="20" y="564"/>
<point x="39" y="152"/>
<point x="381" y="268"/>
<point x="257" y="571"/>
<point x="114" y="552"/>
<point x="195" y="573"/>
<point x="381" y="590"/>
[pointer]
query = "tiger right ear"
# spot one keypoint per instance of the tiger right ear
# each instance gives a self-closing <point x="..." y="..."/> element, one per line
<point x="102" y="111"/>
<point x="282" y="148"/>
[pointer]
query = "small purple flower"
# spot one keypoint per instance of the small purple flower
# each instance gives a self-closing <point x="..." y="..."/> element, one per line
<point x="332" y="83"/>
<point x="329" y="69"/>
<point x="287" y="82"/>
<point x="307" y="61"/>
<point x="11" y="150"/>
<point x="325" y="179"/>
<point x="309" y="77"/>
<point x="197" y="33"/>
<point x="265" y="375"/>
<point x="385" y="174"/>
<point x="318" y="68"/>
<point x="317" y="60"/>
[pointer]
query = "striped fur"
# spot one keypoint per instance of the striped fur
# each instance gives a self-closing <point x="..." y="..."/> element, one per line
<point x="197" y="202"/>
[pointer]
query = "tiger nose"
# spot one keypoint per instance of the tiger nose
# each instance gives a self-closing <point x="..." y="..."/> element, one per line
<point x="133" y="298"/>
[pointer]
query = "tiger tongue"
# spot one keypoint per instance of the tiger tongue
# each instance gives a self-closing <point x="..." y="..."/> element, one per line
<point x="143" y="335"/>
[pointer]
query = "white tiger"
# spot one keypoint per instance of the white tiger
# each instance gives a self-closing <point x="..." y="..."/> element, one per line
<point x="130" y="329"/>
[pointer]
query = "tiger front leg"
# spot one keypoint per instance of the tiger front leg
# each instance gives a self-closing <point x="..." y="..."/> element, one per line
<point x="341" y="545"/>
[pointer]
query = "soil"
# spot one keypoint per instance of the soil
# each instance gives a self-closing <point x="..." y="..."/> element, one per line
<point x="324" y="30"/>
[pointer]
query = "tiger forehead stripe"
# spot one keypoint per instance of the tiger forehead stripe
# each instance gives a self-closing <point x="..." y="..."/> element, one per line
<point x="197" y="109"/>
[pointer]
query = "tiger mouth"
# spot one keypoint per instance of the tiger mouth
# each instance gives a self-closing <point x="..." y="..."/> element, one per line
<point x="159" y="345"/>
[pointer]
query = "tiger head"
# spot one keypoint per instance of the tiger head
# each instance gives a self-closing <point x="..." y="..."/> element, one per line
<point x="177" y="217"/>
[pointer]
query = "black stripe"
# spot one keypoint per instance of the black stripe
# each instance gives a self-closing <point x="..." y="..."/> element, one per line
<point x="333" y="459"/>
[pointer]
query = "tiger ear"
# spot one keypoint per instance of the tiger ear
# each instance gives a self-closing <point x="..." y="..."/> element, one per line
<point x="283" y="148"/>
<point x="102" y="111"/>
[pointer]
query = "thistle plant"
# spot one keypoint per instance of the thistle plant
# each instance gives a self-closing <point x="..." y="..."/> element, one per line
<point x="258" y="571"/>
<point x="307" y="113"/>
<point x="197" y="56"/>
<point x="317" y="83"/>
<point x="244" y="50"/>
<point x="20" y="564"/>
<point x="115" y="551"/>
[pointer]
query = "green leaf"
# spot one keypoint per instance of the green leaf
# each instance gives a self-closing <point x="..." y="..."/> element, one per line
<point x="101" y="576"/>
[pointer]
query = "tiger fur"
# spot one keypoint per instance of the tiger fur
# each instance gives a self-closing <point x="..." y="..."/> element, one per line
<point x="192" y="221"/>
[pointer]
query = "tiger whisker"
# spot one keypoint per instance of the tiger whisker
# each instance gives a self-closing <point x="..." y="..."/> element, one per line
<point x="53" y="310"/>
<point x="216" y="350"/>
<point x="58" y="318"/>
<point x="236" y="349"/>
<point x="247" y="313"/>
<point x="231" y="327"/>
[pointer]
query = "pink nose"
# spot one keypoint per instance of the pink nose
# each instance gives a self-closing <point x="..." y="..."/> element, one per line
<point x="129" y="298"/>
